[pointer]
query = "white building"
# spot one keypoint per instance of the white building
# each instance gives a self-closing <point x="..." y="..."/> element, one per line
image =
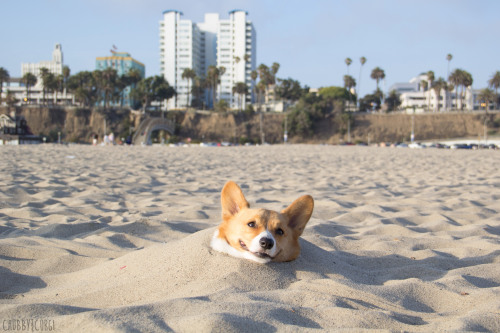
<point x="55" y="66"/>
<point x="227" y="43"/>
<point x="18" y="89"/>
<point x="414" y="96"/>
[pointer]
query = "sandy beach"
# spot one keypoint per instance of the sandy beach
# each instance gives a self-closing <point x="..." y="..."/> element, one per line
<point x="117" y="239"/>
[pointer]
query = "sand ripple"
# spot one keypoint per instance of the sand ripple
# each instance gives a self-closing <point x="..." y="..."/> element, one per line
<point x="116" y="239"/>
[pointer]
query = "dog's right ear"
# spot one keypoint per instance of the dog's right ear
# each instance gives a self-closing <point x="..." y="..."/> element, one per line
<point x="232" y="200"/>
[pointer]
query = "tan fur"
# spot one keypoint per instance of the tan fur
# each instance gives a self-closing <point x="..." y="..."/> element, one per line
<point x="236" y="214"/>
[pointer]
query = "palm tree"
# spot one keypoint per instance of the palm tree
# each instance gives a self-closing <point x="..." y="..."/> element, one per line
<point x="377" y="74"/>
<point x="188" y="74"/>
<point x="467" y="82"/>
<point x="241" y="90"/>
<point x="198" y="91"/>
<point x="126" y="83"/>
<point x="109" y="84"/>
<point x="29" y="81"/>
<point x="213" y="79"/>
<point x="58" y="85"/>
<point x="437" y="86"/>
<point x="449" y="56"/>
<point x="462" y="78"/>
<point x="349" y="83"/>
<point x="362" y="60"/>
<point x="4" y="77"/>
<point x="253" y="75"/>
<point x="348" y="62"/>
<point x="235" y="75"/>
<point x="268" y="76"/>
<point x="85" y="87"/>
<point x="455" y="79"/>
<point x="487" y="96"/>
<point x="494" y="83"/>
<point x="261" y="89"/>
<point x="44" y="74"/>
<point x="150" y="89"/>
<point x="430" y="80"/>
<point x="66" y="74"/>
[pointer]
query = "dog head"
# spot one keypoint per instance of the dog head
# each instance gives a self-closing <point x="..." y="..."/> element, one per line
<point x="260" y="235"/>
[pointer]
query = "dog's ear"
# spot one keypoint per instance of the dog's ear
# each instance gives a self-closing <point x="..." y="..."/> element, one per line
<point x="232" y="200"/>
<point x="299" y="213"/>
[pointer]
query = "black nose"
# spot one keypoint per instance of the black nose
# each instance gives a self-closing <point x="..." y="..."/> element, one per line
<point x="266" y="243"/>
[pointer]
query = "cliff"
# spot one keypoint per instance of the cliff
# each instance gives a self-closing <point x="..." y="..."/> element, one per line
<point x="78" y="125"/>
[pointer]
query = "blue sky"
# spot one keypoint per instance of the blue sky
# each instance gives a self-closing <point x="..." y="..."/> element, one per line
<point x="310" y="39"/>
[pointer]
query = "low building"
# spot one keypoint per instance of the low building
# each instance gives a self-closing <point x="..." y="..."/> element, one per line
<point x="14" y="130"/>
<point x="416" y="96"/>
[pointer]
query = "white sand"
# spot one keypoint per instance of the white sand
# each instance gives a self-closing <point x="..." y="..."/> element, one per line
<point x="116" y="239"/>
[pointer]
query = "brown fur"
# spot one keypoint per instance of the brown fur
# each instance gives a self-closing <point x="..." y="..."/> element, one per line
<point x="236" y="214"/>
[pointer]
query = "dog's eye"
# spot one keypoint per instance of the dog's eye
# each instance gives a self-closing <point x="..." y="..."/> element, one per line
<point x="251" y="224"/>
<point x="280" y="232"/>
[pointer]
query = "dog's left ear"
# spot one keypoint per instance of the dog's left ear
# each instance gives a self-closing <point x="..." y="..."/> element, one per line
<point x="299" y="213"/>
<point x="232" y="200"/>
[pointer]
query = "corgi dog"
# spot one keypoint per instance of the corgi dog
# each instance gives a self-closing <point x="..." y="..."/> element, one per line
<point x="259" y="234"/>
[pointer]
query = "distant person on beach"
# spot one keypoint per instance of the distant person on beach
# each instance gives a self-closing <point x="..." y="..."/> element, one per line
<point x="94" y="140"/>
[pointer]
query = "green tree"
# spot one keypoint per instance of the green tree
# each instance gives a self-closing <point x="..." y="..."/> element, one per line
<point x="198" y="92"/>
<point x="253" y="76"/>
<point x="362" y="60"/>
<point x="213" y="77"/>
<point x="349" y="83"/>
<point x="4" y="77"/>
<point x="487" y="96"/>
<point x="66" y="74"/>
<point x="127" y="82"/>
<point x="370" y="102"/>
<point x="449" y="56"/>
<point x="29" y="80"/>
<point x="268" y="76"/>
<point x="109" y="85"/>
<point x="494" y="83"/>
<point x="348" y="62"/>
<point x="393" y="101"/>
<point x="58" y="85"/>
<point x="240" y="89"/>
<point x="261" y="89"/>
<point x="290" y="90"/>
<point x="10" y="99"/>
<point x="152" y="89"/>
<point x="437" y="86"/>
<point x="334" y="93"/>
<point x="188" y="74"/>
<point x="463" y="79"/>
<point x="84" y="87"/>
<point x="377" y="74"/>
<point x="47" y="78"/>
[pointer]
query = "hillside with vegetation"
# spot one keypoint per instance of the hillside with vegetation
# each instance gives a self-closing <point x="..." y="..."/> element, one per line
<point x="80" y="124"/>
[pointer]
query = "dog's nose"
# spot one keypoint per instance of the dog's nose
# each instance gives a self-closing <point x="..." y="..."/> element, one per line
<point x="266" y="243"/>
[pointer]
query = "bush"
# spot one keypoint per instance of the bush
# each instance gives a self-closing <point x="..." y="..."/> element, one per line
<point x="221" y="106"/>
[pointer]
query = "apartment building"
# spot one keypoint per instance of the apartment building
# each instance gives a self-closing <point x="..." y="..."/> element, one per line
<point x="228" y="43"/>
<point x="122" y="62"/>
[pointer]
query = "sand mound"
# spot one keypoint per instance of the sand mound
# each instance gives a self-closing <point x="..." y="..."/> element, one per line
<point x="117" y="239"/>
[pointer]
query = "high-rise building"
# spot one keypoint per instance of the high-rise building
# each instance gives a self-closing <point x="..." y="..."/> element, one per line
<point x="55" y="66"/>
<point x="229" y="43"/>
<point x="122" y="62"/>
